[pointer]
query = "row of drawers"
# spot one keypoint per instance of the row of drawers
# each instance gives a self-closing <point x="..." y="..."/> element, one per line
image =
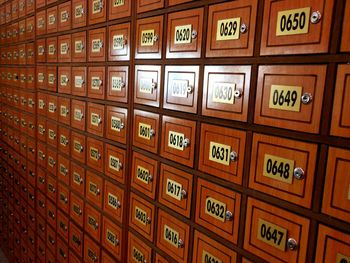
<point x="173" y="235"/>
<point x="19" y="31"/>
<point x="287" y="96"/>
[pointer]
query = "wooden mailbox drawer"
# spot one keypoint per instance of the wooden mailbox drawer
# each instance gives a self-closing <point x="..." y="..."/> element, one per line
<point x="94" y="188"/>
<point x="63" y="225"/>
<point x="275" y="234"/>
<point x="91" y="251"/>
<point x="345" y="47"/>
<point x="173" y="236"/>
<point x="51" y="134"/>
<point x="218" y="209"/>
<point x="78" y="114"/>
<point x="63" y="139"/>
<point x="79" y="47"/>
<point x="79" y="81"/>
<point x="178" y="140"/>
<point x="51" y="214"/>
<point x="63" y="197"/>
<point x="181" y="88"/>
<point x="290" y="97"/>
<point x="78" y="147"/>
<point x="112" y="237"/>
<point x="144" y="174"/>
<point x="77" y="209"/>
<point x="142" y="216"/>
<point x="40" y="23"/>
<point x="97" y="11"/>
<point x="185" y="34"/>
<point x="226" y="92"/>
<point x="51" y="73"/>
<point x="62" y="251"/>
<point x="64" y="16"/>
<point x="138" y="251"/>
<point x="148" y="5"/>
<point x="149" y="38"/>
<point x="95" y="154"/>
<point x="231" y="29"/>
<point x="64" y="80"/>
<point x="52" y="112"/>
<point x="77" y="178"/>
<point x="147" y="85"/>
<point x="51" y="189"/>
<point x="116" y="124"/>
<point x="30" y="26"/>
<point x="41" y="123"/>
<point x="336" y="196"/>
<point x="118" y="83"/>
<point x="79" y="10"/>
<point x="119" y="42"/>
<point x="64" y="110"/>
<point x="175" y="189"/>
<point x="208" y="250"/>
<point x="97" y="44"/>
<point x="95" y="120"/>
<point x="64" y="48"/>
<point x="119" y="9"/>
<point x="42" y="103"/>
<point x="309" y="32"/>
<point x="96" y="82"/>
<point x="146" y="130"/>
<point x="340" y="120"/>
<point x="52" y="20"/>
<point x="93" y="222"/>
<point x="114" y="162"/>
<point x="41" y="79"/>
<point x="113" y="201"/>
<point x="76" y="239"/>
<point x="222" y="152"/>
<point x="332" y="245"/>
<point x="283" y="168"/>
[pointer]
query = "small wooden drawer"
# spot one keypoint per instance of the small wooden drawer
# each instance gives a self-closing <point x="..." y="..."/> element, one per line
<point x="178" y="140"/>
<point x="113" y="201"/>
<point x="95" y="154"/>
<point x="93" y="222"/>
<point x="112" y="239"/>
<point x="116" y="124"/>
<point x="94" y="188"/>
<point x="275" y="234"/>
<point x="173" y="236"/>
<point x="115" y="162"/>
<point x="175" y="189"/>
<point x="144" y="174"/>
<point x="218" y="209"/>
<point x="77" y="209"/>
<point x="118" y="84"/>
<point x="77" y="178"/>
<point x="138" y="251"/>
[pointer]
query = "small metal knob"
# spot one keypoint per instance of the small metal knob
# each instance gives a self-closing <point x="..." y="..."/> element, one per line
<point x="228" y="215"/>
<point x="244" y="28"/>
<point x="181" y="243"/>
<point x="292" y="244"/>
<point x="194" y="34"/>
<point x="306" y="98"/>
<point x="186" y="142"/>
<point x="315" y="17"/>
<point x="183" y="194"/>
<point x="298" y="173"/>
<point x="152" y="133"/>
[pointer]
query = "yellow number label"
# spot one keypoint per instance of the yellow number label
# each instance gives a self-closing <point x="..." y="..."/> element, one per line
<point x="113" y="201"/>
<point x="137" y="255"/>
<point x="144" y="131"/>
<point x="143" y="174"/>
<point x="117" y="83"/>
<point x="95" y="119"/>
<point x="114" y="163"/>
<point x="224" y="92"/>
<point x="140" y="215"/>
<point x="115" y="123"/>
<point x="183" y="34"/>
<point x="342" y="259"/>
<point x="111" y="237"/>
<point x="179" y="88"/>
<point x="219" y="153"/>
<point x="215" y="209"/>
<point x="118" y="3"/>
<point x="93" y="188"/>
<point x="209" y="258"/>
<point x="228" y="29"/>
<point x="173" y="189"/>
<point x="176" y="140"/>
<point x="285" y="98"/>
<point x="272" y="235"/>
<point x="349" y="193"/>
<point x="146" y="86"/>
<point x="293" y="22"/>
<point x="147" y="37"/>
<point x="278" y="168"/>
<point x="118" y="42"/>
<point x="171" y="236"/>
<point x="94" y="154"/>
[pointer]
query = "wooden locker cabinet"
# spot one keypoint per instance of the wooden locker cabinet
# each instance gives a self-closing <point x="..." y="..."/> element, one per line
<point x="336" y="197"/>
<point x="181" y="88"/>
<point x="185" y="32"/>
<point x="206" y="248"/>
<point x="332" y="245"/>
<point x="304" y="85"/>
<point x="144" y="174"/>
<point x="309" y="35"/>
<point x="283" y="168"/>
<point x="293" y="230"/>
<point x="149" y="38"/>
<point x="142" y="216"/>
<point x="218" y="209"/>
<point x="175" y="189"/>
<point x="231" y="29"/>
